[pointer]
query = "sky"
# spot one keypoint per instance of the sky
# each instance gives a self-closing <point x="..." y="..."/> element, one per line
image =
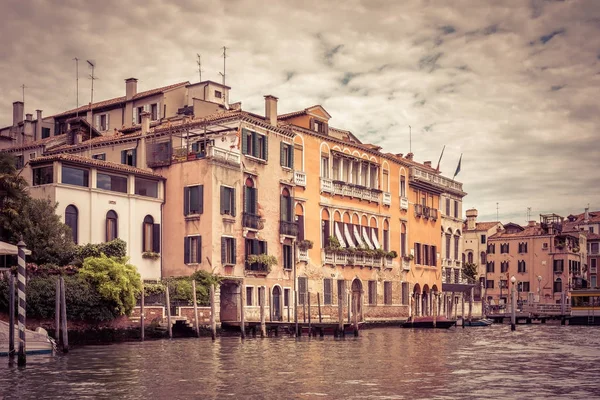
<point x="511" y="85"/>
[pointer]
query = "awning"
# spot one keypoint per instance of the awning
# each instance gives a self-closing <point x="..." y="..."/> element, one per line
<point x="357" y="236"/>
<point x="339" y="235"/>
<point x="348" y="236"/>
<point x="375" y="241"/>
<point x="366" y="238"/>
<point x="7" y="249"/>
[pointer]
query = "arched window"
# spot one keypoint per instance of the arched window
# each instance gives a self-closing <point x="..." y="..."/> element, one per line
<point x="402" y="186"/>
<point x="148" y="234"/>
<point x="403" y="239"/>
<point x="112" y="226"/>
<point x="483" y="257"/>
<point x="71" y="217"/>
<point x="250" y="198"/>
<point x="470" y="257"/>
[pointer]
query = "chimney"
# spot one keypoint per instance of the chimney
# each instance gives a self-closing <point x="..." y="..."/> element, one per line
<point x="141" y="154"/>
<point x="29" y="117"/>
<point x="130" y="88"/>
<point x="409" y="156"/>
<point x="18" y="109"/>
<point x="271" y="109"/>
<point x="427" y="164"/>
<point x="531" y="223"/>
<point x="145" y="123"/>
<point x="38" y="125"/>
<point x="586" y="214"/>
<point x="471" y="219"/>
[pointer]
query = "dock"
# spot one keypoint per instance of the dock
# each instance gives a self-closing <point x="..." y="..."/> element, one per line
<point x="274" y="328"/>
<point x="528" y="318"/>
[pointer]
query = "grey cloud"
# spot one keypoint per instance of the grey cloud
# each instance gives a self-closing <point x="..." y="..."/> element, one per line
<point x="429" y="62"/>
<point x="556" y="88"/>
<point x="546" y="38"/>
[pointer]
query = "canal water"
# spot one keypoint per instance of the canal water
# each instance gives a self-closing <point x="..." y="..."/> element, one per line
<point x="535" y="362"/>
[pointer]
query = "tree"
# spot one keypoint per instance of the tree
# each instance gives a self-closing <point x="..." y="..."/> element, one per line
<point x="12" y="189"/>
<point x="115" y="279"/>
<point x="470" y="270"/>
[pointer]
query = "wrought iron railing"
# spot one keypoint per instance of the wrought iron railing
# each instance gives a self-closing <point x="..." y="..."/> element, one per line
<point x="288" y="228"/>
<point x="252" y="221"/>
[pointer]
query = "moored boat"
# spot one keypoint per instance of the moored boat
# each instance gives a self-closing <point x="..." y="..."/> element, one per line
<point x="427" y="323"/>
<point x="36" y="342"/>
<point x="585" y="307"/>
<point x="476" y="322"/>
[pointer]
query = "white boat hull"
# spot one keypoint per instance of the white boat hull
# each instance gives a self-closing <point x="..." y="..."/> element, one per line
<point x="36" y="342"/>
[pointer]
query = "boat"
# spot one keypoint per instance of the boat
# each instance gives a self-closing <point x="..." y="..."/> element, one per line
<point x="585" y="307"/>
<point x="476" y="322"/>
<point x="427" y="323"/>
<point x="36" y="342"/>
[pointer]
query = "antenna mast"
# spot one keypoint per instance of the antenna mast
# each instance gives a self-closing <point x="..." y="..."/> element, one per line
<point x="91" y="122"/>
<point x="409" y="139"/>
<point x="528" y="214"/>
<point x="199" y="62"/>
<point x="77" y="85"/>
<point x="497" y="218"/>
<point x="23" y="87"/>
<point x="224" y="70"/>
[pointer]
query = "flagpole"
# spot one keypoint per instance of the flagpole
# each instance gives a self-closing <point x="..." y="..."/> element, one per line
<point x="457" y="167"/>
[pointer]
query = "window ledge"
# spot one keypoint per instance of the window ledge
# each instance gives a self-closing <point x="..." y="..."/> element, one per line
<point x="228" y="265"/>
<point x="192" y="264"/>
<point x="191" y="217"/>
<point x="287" y="169"/>
<point x="256" y="159"/>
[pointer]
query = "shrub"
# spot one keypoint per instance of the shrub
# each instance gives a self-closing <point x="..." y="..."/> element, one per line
<point x="114" y="248"/>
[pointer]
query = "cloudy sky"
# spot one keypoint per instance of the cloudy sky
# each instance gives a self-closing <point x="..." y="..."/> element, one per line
<point x="512" y="85"/>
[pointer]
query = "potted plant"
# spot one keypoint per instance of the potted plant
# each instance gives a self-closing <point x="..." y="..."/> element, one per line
<point x="150" y="255"/>
<point x="334" y="243"/>
<point x="380" y="253"/>
<point x="265" y="260"/>
<point x="408" y="257"/>
<point x="392" y="254"/>
<point x="305" y="244"/>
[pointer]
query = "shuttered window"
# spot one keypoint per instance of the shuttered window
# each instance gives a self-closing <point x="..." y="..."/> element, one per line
<point x="250" y="198"/>
<point x="341" y="287"/>
<point x="150" y="235"/>
<point x="192" y="249"/>
<point x="287" y="256"/>
<point x="387" y="293"/>
<point x="417" y="253"/>
<point x="228" y="201"/>
<point x="405" y="293"/>
<point x="112" y="226"/>
<point x="327" y="291"/>
<point x="129" y="157"/>
<point x="302" y="289"/>
<point x="71" y="220"/>
<point x="228" y="251"/>
<point x="433" y="258"/>
<point x="193" y="197"/>
<point x="372" y="293"/>
<point x="254" y="144"/>
<point x="287" y="155"/>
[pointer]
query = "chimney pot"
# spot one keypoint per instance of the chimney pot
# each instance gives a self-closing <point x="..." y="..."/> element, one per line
<point x="271" y="109"/>
<point x="18" y="109"/>
<point x="531" y="223"/>
<point x="28" y="117"/>
<point x="130" y="88"/>
<point x="145" y="122"/>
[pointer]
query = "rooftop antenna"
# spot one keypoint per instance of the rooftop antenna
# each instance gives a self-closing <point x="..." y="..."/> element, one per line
<point x="77" y="85"/>
<point x="528" y="214"/>
<point x="23" y="87"/>
<point x="93" y="78"/>
<point x="199" y="62"/>
<point x="409" y="139"/>
<point x="224" y="57"/>
<point x="497" y="218"/>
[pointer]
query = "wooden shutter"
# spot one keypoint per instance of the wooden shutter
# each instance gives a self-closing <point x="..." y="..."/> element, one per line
<point x="134" y="157"/>
<point x="300" y="227"/>
<point x="291" y="156"/>
<point x="97" y="122"/>
<point x="156" y="238"/>
<point x="234" y="253"/>
<point x="283" y="208"/>
<point x="186" y="250"/>
<point x="186" y="200"/>
<point x="247" y="199"/>
<point x="107" y="121"/>
<point x="199" y="249"/>
<point x="223" y="194"/>
<point x="282" y="151"/>
<point x="254" y="144"/>
<point x="135" y="115"/>
<point x="200" y="199"/>
<point x="123" y="156"/>
<point x="266" y="147"/>
<point x="244" y="141"/>
<point x="265" y="251"/>
<point x="434" y="256"/>
<point x="158" y="110"/>
<point x="233" y="201"/>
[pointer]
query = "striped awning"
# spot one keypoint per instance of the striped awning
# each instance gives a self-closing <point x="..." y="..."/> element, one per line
<point x="7" y="249"/>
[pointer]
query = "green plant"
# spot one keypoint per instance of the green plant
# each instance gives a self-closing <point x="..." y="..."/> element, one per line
<point x="153" y="288"/>
<point x="114" y="248"/>
<point x="334" y="243"/>
<point x="380" y="252"/>
<point x="408" y="257"/>
<point x="392" y="254"/>
<point x="470" y="270"/>
<point x="151" y="255"/>
<point x="115" y="279"/>
<point x="265" y="260"/>
<point x="576" y="249"/>
<point x="305" y="244"/>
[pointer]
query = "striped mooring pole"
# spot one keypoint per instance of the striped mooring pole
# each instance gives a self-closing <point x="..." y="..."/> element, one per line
<point x="21" y="360"/>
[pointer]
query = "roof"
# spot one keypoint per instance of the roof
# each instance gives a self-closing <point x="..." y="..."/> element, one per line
<point x="594" y="218"/>
<point x="207" y="82"/>
<point x="303" y="112"/>
<point x="47" y="142"/>
<point x="95" y="163"/>
<point x="484" y="226"/>
<point x="527" y="231"/>
<point x="122" y="99"/>
<point x="11" y="250"/>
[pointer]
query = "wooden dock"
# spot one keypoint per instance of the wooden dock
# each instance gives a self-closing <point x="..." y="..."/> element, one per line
<point x="528" y="318"/>
<point x="274" y="328"/>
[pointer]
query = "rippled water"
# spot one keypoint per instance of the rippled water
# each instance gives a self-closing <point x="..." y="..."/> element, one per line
<point x="539" y="361"/>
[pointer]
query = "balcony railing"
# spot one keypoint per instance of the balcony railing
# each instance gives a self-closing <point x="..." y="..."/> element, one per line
<point x="288" y="228"/>
<point x="418" y="210"/>
<point x="256" y="267"/>
<point x="403" y="203"/>
<point x="435" y="179"/>
<point x="387" y="198"/>
<point x="326" y="185"/>
<point x="252" y="221"/>
<point x="303" y="255"/>
<point x="355" y="259"/>
<point x="300" y="178"/>
<point x="225" y="156"/>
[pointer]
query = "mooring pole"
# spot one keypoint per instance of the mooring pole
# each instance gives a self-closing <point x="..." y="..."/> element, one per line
<point x="263" y="324"/>
<point x="309" y="319"/>
<point x="462" y="305"/>
<point x="142" y="314"/>
<point x="242" y="321"/>
<point x="471" y="295"/>
<point x="319" y="306"/>
<point x="57" y="313"/>
<point x="168" y="300"/>
<point x="213" y="324"/>
<point x="21" y="283"/>
<point x="356" y="315"/>
<point x="434" y="302"/>
<point x="63" y="315"/>
<point x="341" y="313"/>
<point x="196" y="325"/>
<point x="11" y="317"/>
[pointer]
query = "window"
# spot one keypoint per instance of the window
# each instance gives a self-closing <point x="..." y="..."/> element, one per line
<point x="103" y="122"/>
<point x="192" y="250"/>
<point x="557" y="287"/>
<point x="482" y="239"/>
<point x="405" y="293"/>
<point x="591" y="228"/>
<point x="448" y="207"/>
<point x="448" y="245"/>
<point x="45" y="132"/>
<point x="32" y="155"/>
<point x="319" y="126"/>
<point x="325" y="167"/>
<point x="593" y="282"/>
<point x="71" y="217"/>
<point x="523" y="247"/>
<point x="489" y="267"/>
<point x="373" y="293"/>
<point x="594" y="248"/>
<point x="558" y="266"/>
<point x="112" y="226"/>
<point x="193" y="197"/>
<point x="150" y="235"/>
<point x="287" y="155"/>
<point x="128" y="157"/>
<point x="254" y="144"/>
<point x="286" y="297"/>
<point x="255" y="247"/>
<point x="402" y="186"/>
<point x="403" y="239"/>
<point x="470" y="257"/>
<point x="138" y="119"/>
<point x="503" y="284"/>
<point x="43" y="175"/>
<point x="426" y="254"/>
<point x="113" y="183"/>
<point x="249" y="293"/>
<point x="504" y="266"/>
<point x="386" y="181"/>
<point x="491" y="248"/>
<point x="504" y="248"/>
<point x="227" y="201"/>
<point x="154" y="112"/>
<point x="302" y="289"/>
<point x="228" y="251"/>
<point x="483" y="258"/>
<point x="523" y="287"/>
<point x="75" y="176"/>
<point x="199" y="148"/>
<point x="433" y="258"/>
<point x="218" y="94"/>
<point x="593" y="265"/>
<point x="146" y="187"/>
<point x="341" y="290"/>
<point x="455" y="209"/>
<point x="522" y="267"/>
<point x="456" y="244"/>
<point x="327" y="291"/>
<point x="489" y="284"/>
<point x="287" y="256"/>
<point x="286" y="206"/>
<point x="386" y="240"/>
<point x="101" y="156"/>
<point x="417" y="253"/>
<point x="387" y="293"/>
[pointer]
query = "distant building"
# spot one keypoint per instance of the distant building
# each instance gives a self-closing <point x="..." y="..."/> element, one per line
<point x="476" y="235"/>
<point x="588" y="223"/>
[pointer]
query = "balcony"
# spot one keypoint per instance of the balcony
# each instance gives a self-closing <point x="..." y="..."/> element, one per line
<point x="300" y="178"/>
<point x="303" y="255"/>
<point x="403" y="203"/>
<point x="342" y="258"/>
<point x="257" y="268"/>
<point x="326" y="185"/>
<point x="288" y="228"/>
<point x="418" y="175"/>
<point x="388" y="262"/>
<point x="418" y="210"/>
<point x="387" y="199"/>
<point x="350" y="190"/>
<point x="224" y="156"/>
<point x="252" y="221"/>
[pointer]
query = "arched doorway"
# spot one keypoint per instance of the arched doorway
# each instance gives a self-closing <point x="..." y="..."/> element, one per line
<point x="230" y="297"/>
<point x="277" y="303"/>
<point x="425" y="301"/>
<point x="435" y="297"/>
<point x="357" y="290"/>
<point x="416" y="300"/>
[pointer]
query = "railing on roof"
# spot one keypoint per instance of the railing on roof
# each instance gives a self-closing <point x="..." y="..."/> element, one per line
<point x="438" y="180"/>
<point x="163" y="154"/>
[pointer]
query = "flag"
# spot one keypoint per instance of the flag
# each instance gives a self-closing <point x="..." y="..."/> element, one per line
<point x="457" y="167"/>
<point x="440" y="160"/>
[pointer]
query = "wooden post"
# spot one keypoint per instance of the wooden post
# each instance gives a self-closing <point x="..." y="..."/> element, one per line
<point x="21" y="284"/>
<point x="319" y="306"/>
<point x="142" y="328"/>
<point x="472" y="295"/>
<point x="196" y="322"/>
<point x="169" y="325"/>
<point x="11" y="316"/>
<point x="263" y="324"/>
<point x="309" y="319"/>
<point x="288" y="307"/>
<point x="341" y="314"/>
<point x="63" y="312"/>
<point x="434" y="302"/>
<point x="57" y="313"/>
<point x="213" y="323"/>
<point x="349" y="308"/>
<point x="462" y="306"/>
<point x="304" y="310"/>
<point x="298" y="331"/>
<point x="355" y="315"/>
<point x="242" y="320"/>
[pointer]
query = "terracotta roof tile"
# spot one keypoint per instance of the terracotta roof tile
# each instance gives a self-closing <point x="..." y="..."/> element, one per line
<point x="48" y="142"/>
<point x="528" y="231"/>
<point x="118" y="100"/>
<point x="95" y="163"/>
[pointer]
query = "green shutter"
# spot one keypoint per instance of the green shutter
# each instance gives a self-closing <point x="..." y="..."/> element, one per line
<point x="223" y="250"/>
<point x="282" y="151"/>
<point x="233" y="259"/>
<point x="155" y="238"/>
<point x="199" y="252"/>
<point x="134" y="158"/>
<point x="200" y="199"/>
<point x="247" y="199"/>
<point x="253" y="200"/>
<point x="254" y="144"/>
<point x="223" y="195"/>
<point x="186" y="250"/>
<point x="186" y="200"/>
<point x="291" y="156"/>
<point x="283" y="208"/>
<point x="244" y="141"/>
<point x="233" y="201"/>
<point x="123" y="156"/>
<point x="266" y="147"/>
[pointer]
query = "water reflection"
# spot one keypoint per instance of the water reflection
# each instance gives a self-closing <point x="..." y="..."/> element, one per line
<point x="533" y="362"/>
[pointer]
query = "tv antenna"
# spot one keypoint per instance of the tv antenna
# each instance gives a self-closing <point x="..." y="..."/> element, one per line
<point x="23" y="87"/>
<point x="497" y="207"/>
<point x="224" y="58"/>
<point x="528" y="214"/>
<point x="409" y="139"/>
<point x="93" y="78"/>
<point x="77" y="85"/>
<point x="199" y="62"/>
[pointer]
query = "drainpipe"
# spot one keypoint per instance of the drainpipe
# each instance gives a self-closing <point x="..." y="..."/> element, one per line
<point x="295" y="292"/>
